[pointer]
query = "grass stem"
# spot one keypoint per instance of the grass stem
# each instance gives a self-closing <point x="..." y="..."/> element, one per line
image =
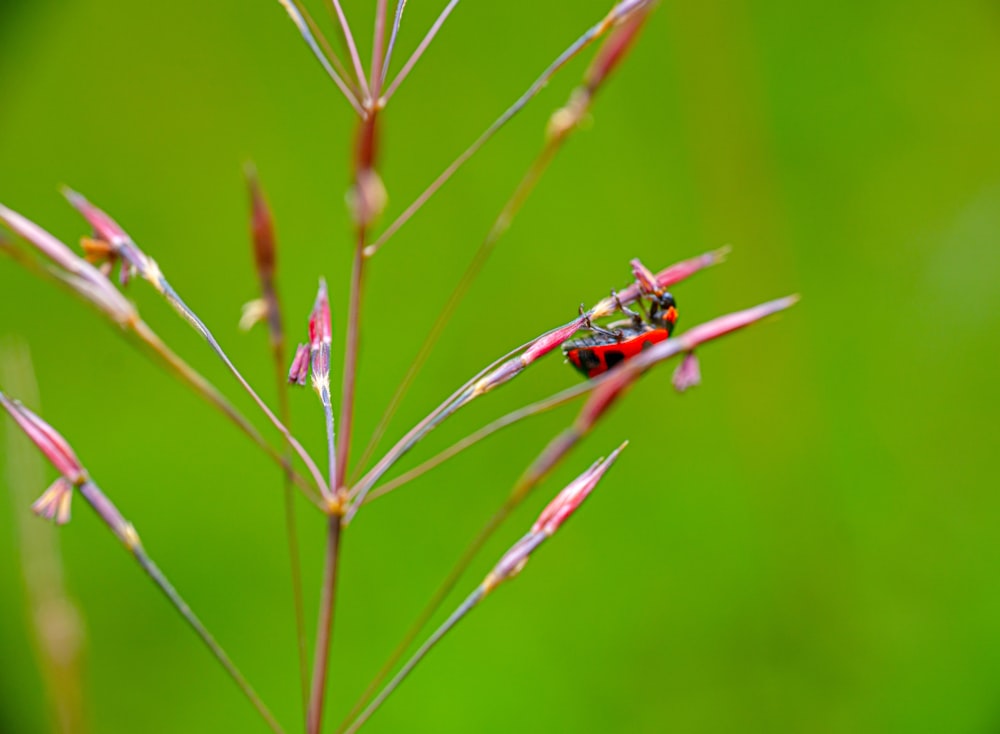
<point x="464" y="608"/>
<point x="324" y="630"/>
<point x="127" y="535"/>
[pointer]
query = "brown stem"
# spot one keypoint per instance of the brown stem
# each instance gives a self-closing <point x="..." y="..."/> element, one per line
<point x="291" y="528"/>
<point x="324" y="632"/>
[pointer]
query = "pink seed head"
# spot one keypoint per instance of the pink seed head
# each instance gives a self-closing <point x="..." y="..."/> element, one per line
<point x="48" y="441"/>
<point x="687" y="374"/>
<point x="686" y="268"/>
<point x="547" y="342"/>
<point x="261" y="226"/>
<point x="120" y="244"/>
<point x="105" y="228"/>
<point x="567" y="501"/>
<point x="731" y="322"/>
<point x="616" y="47"/>
<point x="645" y="277"/>
<point x="320" y="330"/>
<point x="299" y="370"/>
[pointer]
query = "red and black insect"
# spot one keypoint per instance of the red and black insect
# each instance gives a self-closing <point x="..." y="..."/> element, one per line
<point x="595" y="355"/>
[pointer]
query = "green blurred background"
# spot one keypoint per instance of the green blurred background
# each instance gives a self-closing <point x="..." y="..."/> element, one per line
<point x="805" y="543"/>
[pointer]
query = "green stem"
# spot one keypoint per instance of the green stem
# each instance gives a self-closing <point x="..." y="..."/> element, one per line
<point x="130" y="539"/>
<point x="464" y="608"/>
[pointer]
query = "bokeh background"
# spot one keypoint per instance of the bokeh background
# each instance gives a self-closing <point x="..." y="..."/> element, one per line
<point x="808" y="542"/>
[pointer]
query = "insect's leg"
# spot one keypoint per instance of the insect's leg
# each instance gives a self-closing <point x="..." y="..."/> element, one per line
<point x="635" y="316"/>
<point x="617" y="334"/>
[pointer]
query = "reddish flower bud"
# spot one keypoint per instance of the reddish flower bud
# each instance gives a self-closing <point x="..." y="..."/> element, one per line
<point x="105" y="228"/>
<point x="687" y="374"/>
<point x="74" y="271"/>
<point x="514" y="366"/>
<point x="645" y="277"/>
<point x="686" y="268"/>
<point x="731" y="322"/>
<point x="54" y="504"/>
<point x="554" y="515"/>
<point x="300" y="366"/>
<point x="650" y="283"/>
<point x="617" y="46"/>
<point x="261" y="226"/>
<point x="547" y="342"/>
<point x="567" y="501"/>
<point x="121" y="245"/>
<point x="48" y="441"/>
<point x="320" y="333"/>
<point x="320" y="329"/>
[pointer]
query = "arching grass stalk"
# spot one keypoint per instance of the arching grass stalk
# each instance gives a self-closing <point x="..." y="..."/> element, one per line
<point x="512" y="562"/>
<point x="92" y="286"/>
<point x="54" y="616"/>
<point x="268" y="309"/>
<point x="54" y="504"/>
<point x="618" y="14"/>
<point x="561" y="125"/>
<point x="120" y="246"/>
<point x="604" y="390"/>
<point x="487" y="380"/>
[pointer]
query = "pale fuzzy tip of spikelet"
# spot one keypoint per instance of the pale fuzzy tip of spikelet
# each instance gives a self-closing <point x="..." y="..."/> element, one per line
<point x="253" y="312"/>
<point x="54" y="504"/>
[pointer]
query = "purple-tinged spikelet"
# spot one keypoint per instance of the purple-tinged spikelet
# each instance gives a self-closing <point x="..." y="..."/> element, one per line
<point x="320" y="336"/>
<point x="552" y="517"/>
<point x="687" y="374"/>
<point x="568" y="500"/>
<point x="299" y="370"/>
<point x="48" y="441"/>
<point x="314" y="357"/>
<point x="54" y="504"/>
<point x="113" y="243"/>
<point x="644" y="277"/>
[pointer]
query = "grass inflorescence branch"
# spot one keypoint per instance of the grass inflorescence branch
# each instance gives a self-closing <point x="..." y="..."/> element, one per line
<point x="346" y="486"/>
